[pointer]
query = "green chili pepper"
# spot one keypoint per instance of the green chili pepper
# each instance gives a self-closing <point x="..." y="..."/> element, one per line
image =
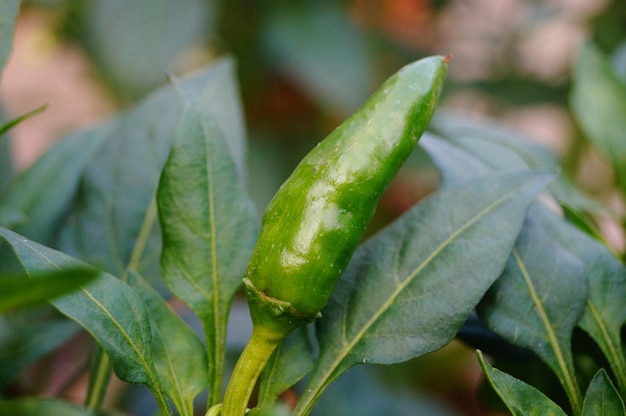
<point x="315" y="221"/>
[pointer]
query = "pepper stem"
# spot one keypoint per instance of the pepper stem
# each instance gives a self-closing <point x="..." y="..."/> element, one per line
<point x="247" y="371"/>
<point x="272" y="321"/>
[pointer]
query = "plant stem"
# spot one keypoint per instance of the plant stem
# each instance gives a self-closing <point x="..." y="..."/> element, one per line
<point x="247" y="371"/>
<point x="98" y="380"/>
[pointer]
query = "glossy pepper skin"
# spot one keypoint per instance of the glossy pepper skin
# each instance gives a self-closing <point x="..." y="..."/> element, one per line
<point x="315" y="221"/>
<point x="318" y="216"/>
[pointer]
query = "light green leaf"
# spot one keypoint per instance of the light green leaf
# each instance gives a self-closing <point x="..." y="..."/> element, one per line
<point x="10" y="9"/>
<point x="107" y="308"/>
<point x="44" y="193"/>
<point x="539" y="298"/>
<point x="19" y="292"/>
<point x="114" y="222"/>
<point x="136" y="43"/>
<point x="409" y="289"/>
<point x="292" y="360"/>
<point x="520" y="398"/>
<point x="209" y="227"/>
<point x="178" y="354"/>
<point x="316" y="43"/>
<point x="598" y="99"/>
<point x="40" y="407"/>
<point x="602" y="399"/>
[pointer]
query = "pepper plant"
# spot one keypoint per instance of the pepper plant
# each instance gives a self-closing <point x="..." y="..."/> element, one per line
<point x="153" y="206"/>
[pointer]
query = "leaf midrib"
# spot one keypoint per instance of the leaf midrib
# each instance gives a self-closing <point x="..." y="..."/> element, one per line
<point x="570" y="385"/>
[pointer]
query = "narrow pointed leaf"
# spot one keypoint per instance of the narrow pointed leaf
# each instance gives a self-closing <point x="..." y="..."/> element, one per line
<point x="538" y="300"/>
<point x="17" y="120"/>
<point x="291" y="361"/>
<point x="602" y="399"/>
<point x="107" y="308"/>
<point x="178" y="354"/>
<point x="598" y="99"/>
<point x="409" y="289"/>
<point x="209" y="227"/>
<point x="22" y="292"/>
<point x="520" y="398"/>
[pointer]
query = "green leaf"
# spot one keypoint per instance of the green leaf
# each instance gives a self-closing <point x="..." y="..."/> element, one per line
<point x="26" y="337"/>
<point x="469" y="149"/>
<point x="45" y="192"/>
<point x="209" y="227"/>
<point x="107" y="308"/>
<point x="316" y="43"/>
<point x="409" y="289"/>
<point x="598" y="99"/>
<point x="602" y="399"/>
<point x="520" y="398"/>
<point x="604" y="314"/>
<point x="39" y="407"/>
<point x="539" y="298"/>
<point x="136" y="44"/>
<point x="115" y="199"/>
<point x="21" y="292"/>
<point x="10" y="9"/>
<point x="17" y="120"/>
<point x="292" y="360"/>
<point x="178" y="354"/>
<point x="220" y="98"/>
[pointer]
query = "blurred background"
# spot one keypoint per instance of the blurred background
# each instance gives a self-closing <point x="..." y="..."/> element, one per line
<point x="304" y="67"/>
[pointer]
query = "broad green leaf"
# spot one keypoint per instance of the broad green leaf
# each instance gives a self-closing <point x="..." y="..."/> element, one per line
<point x="136" y="43"/>
<point x="19" y="292"/>
<point x="520" y="398"/>
<point x="409" y="289"/>
<point x="598" y="99"/>
<point x="209" y="227"/>
<point x="44" y="193"/>
<point x="24" y="338"/>
<point x="539" y="298"/>
<point x="178" y="354"/>
<point x="292" y="360"/>
<point x="316" y="43"/>
<point x="106" y="307"/>
<point x="604" y="314"/>
<point x="40" y="407"/>
<point x="602" y="399"/>
<point x="10" y="9"/>
<point x="114" y="222"/>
